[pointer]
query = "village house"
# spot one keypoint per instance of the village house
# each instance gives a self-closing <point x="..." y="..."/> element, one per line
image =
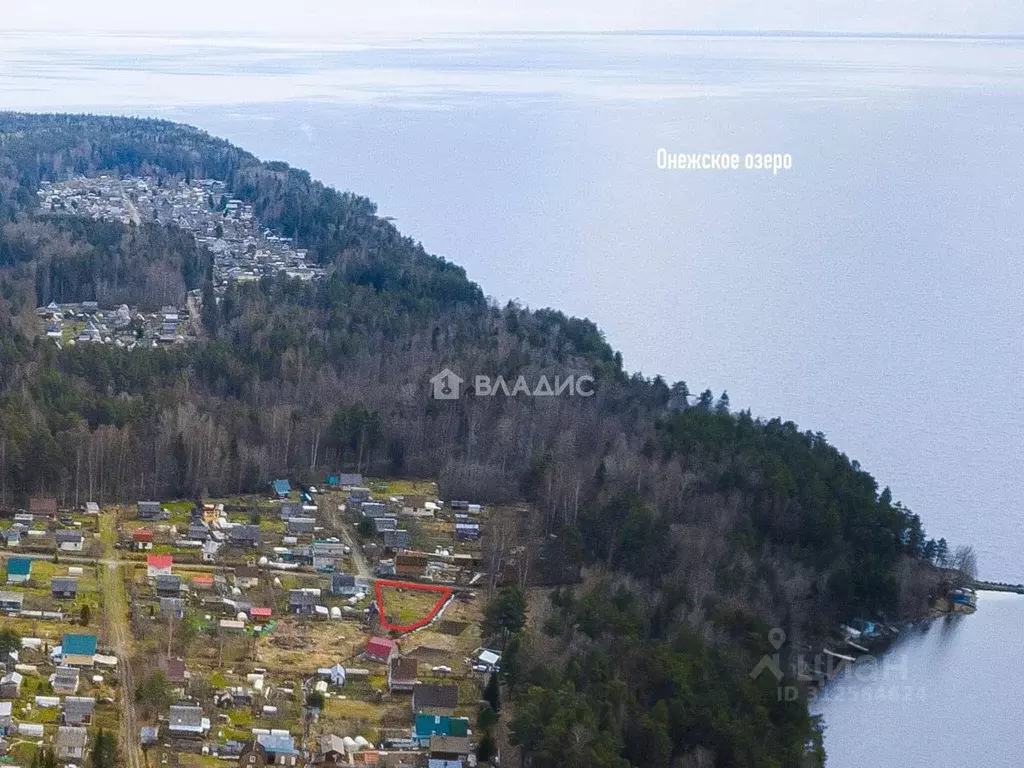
<point x="43" y="507"/>
<point x="332" y="750"/>
<point x="343" y="584"/>
<point x="290" y="509"/>
<point x="11" y="601"/>
<point x="79" y="650"/>
<point x="78" y="710"/>
<point x="168" y="585"/>
<point x="10" y="685"/>
<point x="172" y="608"/>
<point x="449" y="748"/>
<point x="246" y="577"/>
<point x="402" y="674"/>
<point x="92" y="508"/>
<point x="396" y="540"/>
<point x="245" y="535"/>
<point x="149" y="735"/>
<point x="411" y="564"/>
<point x="329" y="549"/>
<point x="159" y="565"/>
<point x="427" y="725"/>
<point x="19" y="570"/>
<point x="210" y="549"/>
<point x="380" y="649"/>
<point x="64" y="681"/>
<point x="301" y="602"/>
<point x="231" y="627"/>
<point x="176" y="672"/>
<point x="149" y="510"/>
<point x="335" y="675"/>
<point x="434" y="699"/>
<point x="280" y="748"/>
<point x="13" y="536"/>
<point x="260" y="615"/>
<point x="64" y="587"/>
<point x="466" y="529"/>
<point x="253" y="755"/>
<point x="282" y="488"/>
<point x="373" y="509"/>
<point x="385" y="524"/>
<point x="142" y="539"/>
<point x="412" y="504"/>
<point x="203" y="581"/>
<point x="186" y="721"/>
<point x="301" y="525"/>
<point x="69" y="541"/>
<point x="71" y="742"/>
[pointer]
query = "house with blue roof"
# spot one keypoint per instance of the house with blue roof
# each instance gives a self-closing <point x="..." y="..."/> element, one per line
<point x="280" y="748"/>
<point x="438" y="725"/>
<point x="19" y="570"/>
<point x="282" y="488"/>
<point x="79" y="650"/>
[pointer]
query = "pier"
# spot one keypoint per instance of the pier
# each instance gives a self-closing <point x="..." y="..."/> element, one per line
<point x="993" y="586"/>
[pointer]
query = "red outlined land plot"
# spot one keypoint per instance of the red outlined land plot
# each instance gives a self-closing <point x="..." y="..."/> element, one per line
<point x="444" y="593"/>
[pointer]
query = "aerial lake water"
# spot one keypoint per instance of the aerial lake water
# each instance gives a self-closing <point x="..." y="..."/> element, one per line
<point x="947" y="695"/>
<point x="872" y="292"/>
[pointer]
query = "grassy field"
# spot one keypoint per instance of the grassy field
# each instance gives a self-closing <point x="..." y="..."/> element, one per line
<point x="388" y="487"/>
<point x="404" y="607"/>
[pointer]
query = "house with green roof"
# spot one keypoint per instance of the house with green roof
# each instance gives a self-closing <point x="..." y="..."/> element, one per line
<point x="438" y="725"/>
<point x="19" y="570"/>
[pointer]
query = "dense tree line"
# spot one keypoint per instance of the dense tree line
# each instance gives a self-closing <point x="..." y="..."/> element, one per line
<point x="676" y="533"/>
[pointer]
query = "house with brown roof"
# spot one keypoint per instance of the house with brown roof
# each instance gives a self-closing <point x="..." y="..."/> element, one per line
<point x="402" y="673"/>
<point x="142" y="539"/>
<point x="449" y="747"/>
<point x="43" y="507"/>
<point x="332" y="750"/>
<point x="434" y="699"/>
<point x="253" y="755"/>
<point x="411" y="563"/>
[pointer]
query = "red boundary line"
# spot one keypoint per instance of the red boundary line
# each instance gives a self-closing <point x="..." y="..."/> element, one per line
<point x="445" y="592"/>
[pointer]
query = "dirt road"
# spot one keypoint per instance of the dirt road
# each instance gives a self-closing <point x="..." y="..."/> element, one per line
<point x="115" y="612"/>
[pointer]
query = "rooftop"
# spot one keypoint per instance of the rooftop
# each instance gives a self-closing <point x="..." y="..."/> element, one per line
<point x="79" y="645"/>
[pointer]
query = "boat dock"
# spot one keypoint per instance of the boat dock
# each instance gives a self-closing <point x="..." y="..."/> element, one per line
<point x="993" y="586"/>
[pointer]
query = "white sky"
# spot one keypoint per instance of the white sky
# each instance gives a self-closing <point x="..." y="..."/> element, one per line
<point x="323" y="19"/>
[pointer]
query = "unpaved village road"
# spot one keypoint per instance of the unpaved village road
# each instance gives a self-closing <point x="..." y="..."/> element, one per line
<point x="335" y="523"/>
<point x="115" y="611"/>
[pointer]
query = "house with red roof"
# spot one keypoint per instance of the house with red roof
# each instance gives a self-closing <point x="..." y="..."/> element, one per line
<point x="261" y="615"/>
<point x="158" y="565"/>
<point x="380" y="649"/>
<point x="203" y="581"/>
<point x="142" y="538"/>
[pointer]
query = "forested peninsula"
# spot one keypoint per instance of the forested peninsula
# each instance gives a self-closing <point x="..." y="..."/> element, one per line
<point x="664" y="533"/>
